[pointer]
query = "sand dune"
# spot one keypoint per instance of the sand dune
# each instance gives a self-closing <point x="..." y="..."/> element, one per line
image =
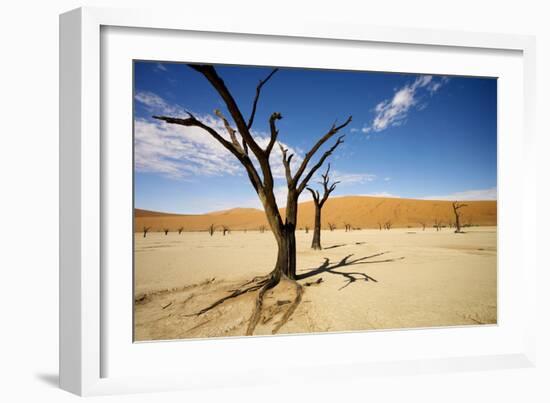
<point x="358" y="211"/>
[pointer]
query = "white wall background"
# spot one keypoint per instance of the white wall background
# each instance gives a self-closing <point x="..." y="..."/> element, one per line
<point x="29" y="200"/>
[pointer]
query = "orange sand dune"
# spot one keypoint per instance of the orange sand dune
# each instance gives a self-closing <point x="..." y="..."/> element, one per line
<point x="358" y="211"/>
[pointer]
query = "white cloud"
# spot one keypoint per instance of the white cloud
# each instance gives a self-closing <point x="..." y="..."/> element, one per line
<point x="351" y="178"/>
<point x="180" y="152"/>
<point x="184" y="152"/>
<point x="160" y="66"/>
<point x="189" y="152"/>
<point x="387" y="179"/>
<point x="155" y="104"/>
<point x="365" y="129"/>
<point x="479" y="194"/>
<point x="381" y="194"/>
<point x="394" y="111"/>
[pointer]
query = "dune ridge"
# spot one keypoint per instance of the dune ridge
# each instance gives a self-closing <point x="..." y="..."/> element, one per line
<point x="358" y="211"/>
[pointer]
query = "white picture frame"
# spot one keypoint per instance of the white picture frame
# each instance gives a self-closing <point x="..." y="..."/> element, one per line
<point x="86" y="347"/>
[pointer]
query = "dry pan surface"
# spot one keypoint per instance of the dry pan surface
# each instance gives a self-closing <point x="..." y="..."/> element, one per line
<point x="363" y="279"/>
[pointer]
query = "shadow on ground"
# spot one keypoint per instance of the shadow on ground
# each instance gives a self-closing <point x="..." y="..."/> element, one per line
<point x="350" y="277"/>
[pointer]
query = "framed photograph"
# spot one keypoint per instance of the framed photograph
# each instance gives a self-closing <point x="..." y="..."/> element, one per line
<point x="237" y="198"/>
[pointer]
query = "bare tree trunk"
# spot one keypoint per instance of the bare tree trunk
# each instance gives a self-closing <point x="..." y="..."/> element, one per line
<point x="283" y="231"/>
<point x="456" y="207"/>
<point x="319" y="202"/>
<point x="286" y="257"/>
<point x="316" y="243"/>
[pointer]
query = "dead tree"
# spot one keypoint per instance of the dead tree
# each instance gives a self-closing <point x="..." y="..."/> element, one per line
<point x="307" y="229"/>
<point x="319" y="202"/>
<point x="166" y="231"/>
<point x="347" y="227"/>
<point x="211" y="229"/>
<point x="225" y="230"/>
<point x="437" y="224"/>
<point x="331" y="226"/>
<point x="423" y="224"/>
<point x="180" y="230"/>
<point x="379" y="225"/>
<point x="262" y="229"/>
<point x="388" y="224"/>
<point x="456" y="207"/>
<point x="255" y="160"/>
<point x="145" y="231"/>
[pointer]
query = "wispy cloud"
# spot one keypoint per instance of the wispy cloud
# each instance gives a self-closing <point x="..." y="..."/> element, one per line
<point x="394" y="111"/>
<point x="478" y="194"/>
<point x="365" y="129"/>
<point x="155" y="104"/>
<point x="184" y="152"/>
<point x="352" y="178"/>
<point x="160" y="67"/>
<point x="381" y="194"/>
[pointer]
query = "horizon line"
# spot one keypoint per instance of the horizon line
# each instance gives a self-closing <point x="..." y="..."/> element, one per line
<point x="310" y="201"/>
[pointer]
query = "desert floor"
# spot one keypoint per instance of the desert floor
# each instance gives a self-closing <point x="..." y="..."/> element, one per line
<point x="401" y="278"/>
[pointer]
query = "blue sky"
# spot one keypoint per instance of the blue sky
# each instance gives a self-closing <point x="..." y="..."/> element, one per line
<point x="413" y="136"/>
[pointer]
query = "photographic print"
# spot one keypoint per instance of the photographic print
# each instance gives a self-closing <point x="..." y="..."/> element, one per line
<point x="287" y="200"/>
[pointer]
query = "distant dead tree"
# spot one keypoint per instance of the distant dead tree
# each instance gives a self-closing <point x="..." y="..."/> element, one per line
<point x="145" y="231"/>
<point x="380" y="225"/>
<point x="347" y="227"/>
<point x="180" y="230"/>
<point x="255" y="159"/>
<point x="307" y="229"/>
<point x="211" y="229"/>
<point x="388" y="224"/>
<point x="456" y="207"/>
<point x="437" y="224"/>
<point x="423" y="224"/>
<point x="166" y="231"/>
<point x="319" y="201"/>
<point x="262" y="229"/>
<point x="225" y="230"/>
<point x="331" y="226"/>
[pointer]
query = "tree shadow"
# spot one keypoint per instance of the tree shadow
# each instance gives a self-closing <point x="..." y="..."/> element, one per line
<point x="350" y="277"/>
<point x="335" y="246"/>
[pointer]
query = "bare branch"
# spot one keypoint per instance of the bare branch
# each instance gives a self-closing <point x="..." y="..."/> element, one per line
<point x="243" y="158"/>
<point x="274" y="131"/>
<point x="258" y="90"/>
<point x="230" y="130"/>
<point x="193" y="121"/>
<point x="286" y="163"/>
<point x="209" y="72"/>
<point x="333" y="130"/>
<point x="328" y="189"/>
<point x="319" y="164"/>
<point x="314" y="194"/>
